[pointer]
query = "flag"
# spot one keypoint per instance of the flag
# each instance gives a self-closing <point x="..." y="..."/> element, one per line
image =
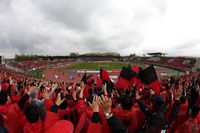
<point x="124" y="78"/>
<point x="135" y="70"/>
<point x="90" y="79"/>
<point x="98" y="82"/>
<point x="136" y="77"/>
<point x="104" y="75"/>
<point x="134" y="74"/>
<point x="138" y="80"/>
<point x="84" y="78"/>
<point x="149" y="77"/>
<point x="87" y="79"/>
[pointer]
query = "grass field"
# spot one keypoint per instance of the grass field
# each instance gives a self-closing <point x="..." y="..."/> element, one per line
<point x="97" y="65"/>
<point x="38" y="73"/>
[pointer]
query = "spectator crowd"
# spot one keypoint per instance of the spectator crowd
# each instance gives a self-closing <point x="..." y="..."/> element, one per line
<point x="94" y="105"/>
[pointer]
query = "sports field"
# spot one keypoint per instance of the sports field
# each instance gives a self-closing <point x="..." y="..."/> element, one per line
<point x="97" y="65"/>
<point x="161" y="71"/>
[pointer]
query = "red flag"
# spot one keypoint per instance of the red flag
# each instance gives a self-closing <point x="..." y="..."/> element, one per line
<point x="104" y="75"/>
<point x="149" y="77"/>
<point x="134" y="74"/>
<point x="124" y="78"/>
<point x="98" y="82"/>
<point x="106" y="79"/>
<point x="86" y="91"/>
<point x="135" y="69"/>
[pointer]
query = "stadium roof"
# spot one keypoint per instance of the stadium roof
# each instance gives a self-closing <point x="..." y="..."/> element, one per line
<point x="157" y="54"/>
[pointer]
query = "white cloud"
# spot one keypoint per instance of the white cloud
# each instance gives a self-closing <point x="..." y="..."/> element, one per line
<point x="125" y="26"/>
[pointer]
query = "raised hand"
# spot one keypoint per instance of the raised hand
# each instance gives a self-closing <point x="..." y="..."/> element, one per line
<point x="82" y="89"/>
<point x="137" y="96"/>
<point x="105" y="104"/>
<point x="54" y="86"/>
<point x="95" y="104"/>
<point x="74" y="95"/>
<point x="31" y="90"/>
<point x="58" y="100"/>
<point x="74" y="85"/>
<point x="45" y="94"/>
<point x="82" y="85"/>
<point x="104" y="88"/>
<point x="11" y="81"/>
<point x="178" y="92"/>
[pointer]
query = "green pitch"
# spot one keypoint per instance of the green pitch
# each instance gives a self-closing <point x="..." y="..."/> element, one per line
<point x="97" y="65"/>
<point x="38" y="73"/>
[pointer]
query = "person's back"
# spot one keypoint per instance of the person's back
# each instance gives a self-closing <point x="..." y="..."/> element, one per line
<point x="12" y="117"/>
<point x="127" y="113"/>
<point x="13" y="120"/>
<point x="156" y="121"/>
<point x="182" y="115"/>
<point x="192" y="125"/>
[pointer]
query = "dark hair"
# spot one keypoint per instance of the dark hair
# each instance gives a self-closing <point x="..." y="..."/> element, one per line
<point x="176" y="83"/>
<point x="127" y="122"/>
<point x="195" y="110"/>
<point x="90" y="91"/>
<point x="158" y="102"/>
<point x="3" y="129"/>
<point x="127" y="91"/>
<point x="126" y="102"/>
<point x="110" y="87"/>
<point x="42" y="88"/>
<point x="183" y="99"/>
<point x="3" y="97"/>
<point x="9" y="90"/>
<point x="31" y="113"/>
<point x="90" y="99"/>
<point x="63" y="105"/>
<point x="33" y="84"/>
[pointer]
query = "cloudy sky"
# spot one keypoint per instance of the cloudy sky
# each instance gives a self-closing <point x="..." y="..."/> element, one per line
<point x="58" y="27"/>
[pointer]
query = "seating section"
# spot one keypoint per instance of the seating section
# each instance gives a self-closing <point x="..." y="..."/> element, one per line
<point x="183" y="63"/>
<point x="176" y="62"/>
<point x="27" y="65"/>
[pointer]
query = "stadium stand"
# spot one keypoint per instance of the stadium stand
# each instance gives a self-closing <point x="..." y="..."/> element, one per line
<point x="183" y="63"/>
<point x="94" y="104"/>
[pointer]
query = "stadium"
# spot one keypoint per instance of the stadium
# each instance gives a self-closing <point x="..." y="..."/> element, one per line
<point x="99" y="66"/>
<point x="67" y="71"/>
<point x="71" y="67"/>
